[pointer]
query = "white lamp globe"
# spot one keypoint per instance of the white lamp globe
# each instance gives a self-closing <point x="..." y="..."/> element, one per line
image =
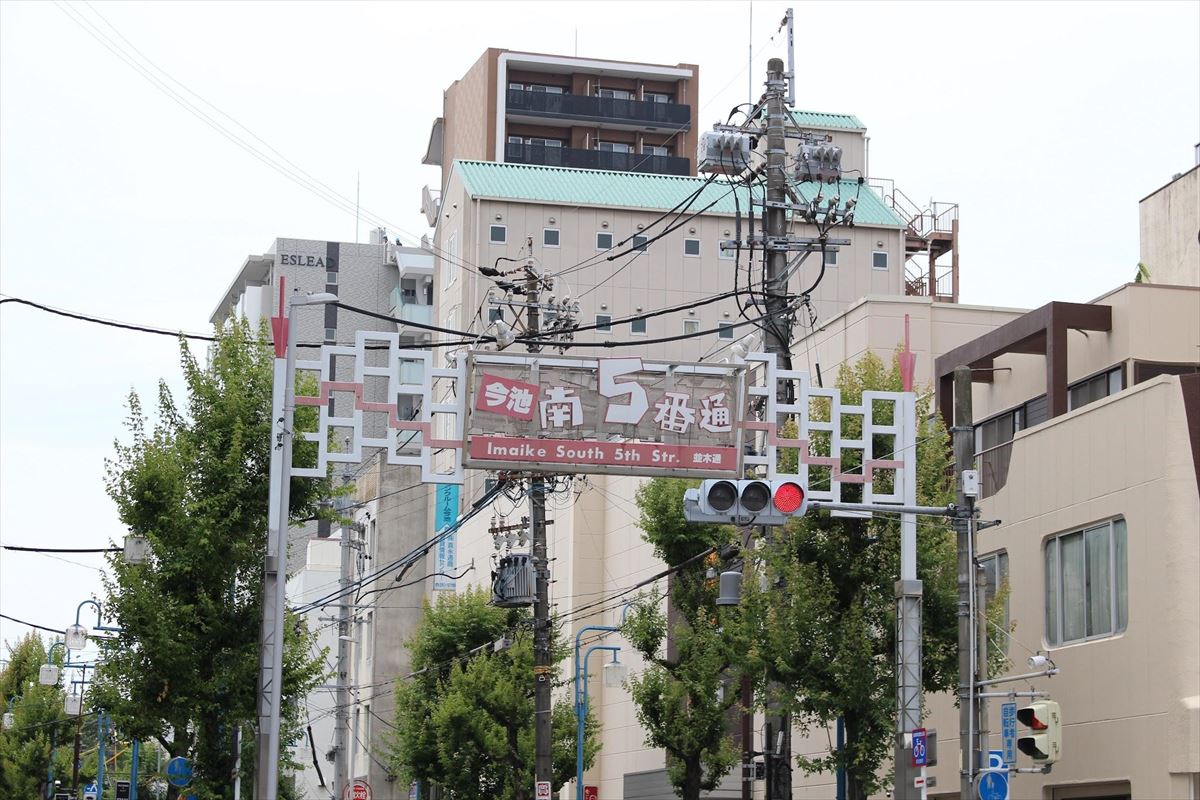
<point x="76" y="637"/>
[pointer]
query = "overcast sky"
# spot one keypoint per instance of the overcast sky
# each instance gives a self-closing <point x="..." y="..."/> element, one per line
<point x="1047" y="122"/>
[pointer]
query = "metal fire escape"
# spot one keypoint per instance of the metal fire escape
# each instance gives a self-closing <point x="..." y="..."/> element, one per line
<point x="930" y="233"/>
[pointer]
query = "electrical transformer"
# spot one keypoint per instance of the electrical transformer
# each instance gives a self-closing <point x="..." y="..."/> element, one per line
<point x="819" y="162"/>
<point x="723" y="153"/>
<point x="514" y="581"/>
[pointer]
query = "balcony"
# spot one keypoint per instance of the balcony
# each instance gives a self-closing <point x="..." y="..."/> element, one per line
<point x="408" y="309"/>
<point x="595" y="159"/>
<point x="635" y="114"/>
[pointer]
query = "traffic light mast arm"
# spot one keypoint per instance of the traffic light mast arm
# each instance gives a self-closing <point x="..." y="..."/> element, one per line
<point x="1046" y="673"/>
<point x="933" y="511"/>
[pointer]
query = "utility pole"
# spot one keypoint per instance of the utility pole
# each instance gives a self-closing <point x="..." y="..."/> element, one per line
<point x="341" y="728"/>
<point x="964" y="456"/>
<point x="542" y="668"/>
<point x="778" y="745"/>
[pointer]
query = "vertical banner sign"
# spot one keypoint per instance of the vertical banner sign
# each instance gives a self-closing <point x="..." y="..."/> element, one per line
<point x="445" y="516"/>
<point x="1008" y="732"/>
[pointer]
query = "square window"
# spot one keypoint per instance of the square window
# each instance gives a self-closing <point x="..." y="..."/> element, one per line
<point x="691" y="327"/>
<point x="603" y="323"/>
<point x="331" y="278"/>
<point x="604" y="241"/>
<point x="498" y="234"/>
<point x="655" y="150"/>
<point x="831" y="257"/>
<point x="1087" y="590"/>
<point x="691" y="247"/>
<point x="879" y="259"/>
<point x="729" y="254"/>
<point x="638" y="327"/>
<point x="331" y="334"/>
<point x="550" y="237"/>
<point x="726" y="330"/>
<point x="639" y="242"/>
<point x="495" y="314"/>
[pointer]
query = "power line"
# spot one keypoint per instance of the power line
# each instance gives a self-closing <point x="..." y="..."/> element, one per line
<point x="61" y="549"/>
<point x="33" y="625"/>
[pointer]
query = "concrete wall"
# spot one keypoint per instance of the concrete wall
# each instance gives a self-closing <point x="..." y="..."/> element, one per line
<point x="1169" y="229"/>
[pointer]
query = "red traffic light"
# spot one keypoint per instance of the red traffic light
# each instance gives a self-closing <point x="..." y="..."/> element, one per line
<point x="1028" y="716"/>
<point x="789" y="497"/>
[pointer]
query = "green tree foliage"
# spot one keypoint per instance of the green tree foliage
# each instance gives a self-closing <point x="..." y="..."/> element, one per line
<point x="38" y="723"/>
<point x="683" y="696"/>
<point x="183" y="669"/>
<point x="464" y="720"/>
<point x="828" y="637"/>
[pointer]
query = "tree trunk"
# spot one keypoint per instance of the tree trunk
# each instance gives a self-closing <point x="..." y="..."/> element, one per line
<point x="692" y="775"/>
<point x="855" y="788"/>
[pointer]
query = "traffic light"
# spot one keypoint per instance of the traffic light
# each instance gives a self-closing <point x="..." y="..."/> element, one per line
<point x="745" y="501"/>
<point x="1044" y="742"/>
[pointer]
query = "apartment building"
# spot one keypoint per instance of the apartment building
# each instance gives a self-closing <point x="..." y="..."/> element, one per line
<point x="533" y="108"/>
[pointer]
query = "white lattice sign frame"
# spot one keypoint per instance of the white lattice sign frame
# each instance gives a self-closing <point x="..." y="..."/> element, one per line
<point x="901" y="460"/>
<point x="447" y="412"/>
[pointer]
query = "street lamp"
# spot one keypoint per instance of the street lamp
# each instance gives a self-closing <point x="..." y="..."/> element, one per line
<point x="77" y="634"/>
<point x="283" y="407"/>
<point x="614" y="677"/>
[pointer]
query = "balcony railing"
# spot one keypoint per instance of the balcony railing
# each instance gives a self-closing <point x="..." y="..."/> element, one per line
<point x="595" y="159"/>
<point x="993" y="468"/>
<point x="408" y="309"/>
<point x="598" y="109"/>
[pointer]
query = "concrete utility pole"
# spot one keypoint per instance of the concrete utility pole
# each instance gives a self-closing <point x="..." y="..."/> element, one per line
<point x="964" y="458"/>
<point x="542" y="668"/>
<point x="778" y="744"/>
<point x="341" y="728"/>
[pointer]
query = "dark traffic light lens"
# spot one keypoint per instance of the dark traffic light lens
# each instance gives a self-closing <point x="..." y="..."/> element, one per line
<point x="722" y="495"/>
<point x="756" y="496"/>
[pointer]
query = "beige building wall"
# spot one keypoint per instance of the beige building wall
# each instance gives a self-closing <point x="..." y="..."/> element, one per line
<point x="1150" y="322"/>
<point x="1169" y="226"/>
<point x="662" y="276"/>
<point x="1129" y="701"/>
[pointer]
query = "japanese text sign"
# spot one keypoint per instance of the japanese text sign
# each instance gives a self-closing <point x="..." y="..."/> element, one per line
<point x="607" y="415"/>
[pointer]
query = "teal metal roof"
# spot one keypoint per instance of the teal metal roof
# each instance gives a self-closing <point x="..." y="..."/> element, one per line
<point x="594" y="187"/>
<point x="819" y="119"/>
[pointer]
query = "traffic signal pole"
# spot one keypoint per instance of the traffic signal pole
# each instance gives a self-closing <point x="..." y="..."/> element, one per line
<point x="778" y="745"/>
<point x="542" y="667"/>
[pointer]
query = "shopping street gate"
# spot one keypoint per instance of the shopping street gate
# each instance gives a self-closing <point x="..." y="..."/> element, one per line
<point x="607" y="415"/>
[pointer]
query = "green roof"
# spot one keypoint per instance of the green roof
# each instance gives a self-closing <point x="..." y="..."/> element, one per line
<point x="593" y="187"/>
<point x="819" y="119"/>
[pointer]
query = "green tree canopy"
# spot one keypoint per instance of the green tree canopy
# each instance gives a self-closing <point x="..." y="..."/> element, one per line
<point x="38" y="723"/>
<point x="464" y="720"/>
<point x="183" y="669"/>
<point x="829" y="636"/>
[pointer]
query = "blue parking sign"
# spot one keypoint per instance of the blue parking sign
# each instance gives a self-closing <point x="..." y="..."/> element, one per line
<point x="920" y="747"/>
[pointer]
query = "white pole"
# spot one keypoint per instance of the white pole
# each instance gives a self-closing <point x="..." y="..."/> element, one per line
<point x="275" y="567"/>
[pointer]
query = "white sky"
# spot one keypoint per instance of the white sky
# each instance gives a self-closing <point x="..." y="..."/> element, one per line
<point x="1047" y="122"/>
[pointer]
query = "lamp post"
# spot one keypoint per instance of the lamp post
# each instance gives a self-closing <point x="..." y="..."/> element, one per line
<point x="581" y="689"/>
<point x="270" y="676"/>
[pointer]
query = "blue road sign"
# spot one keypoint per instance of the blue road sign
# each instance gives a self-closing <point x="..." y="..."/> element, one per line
<point x="1008" y="732"/>
<point x="179" y="771"/>
<point x="920" y="748"/>
<point x="994" y="785"/>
